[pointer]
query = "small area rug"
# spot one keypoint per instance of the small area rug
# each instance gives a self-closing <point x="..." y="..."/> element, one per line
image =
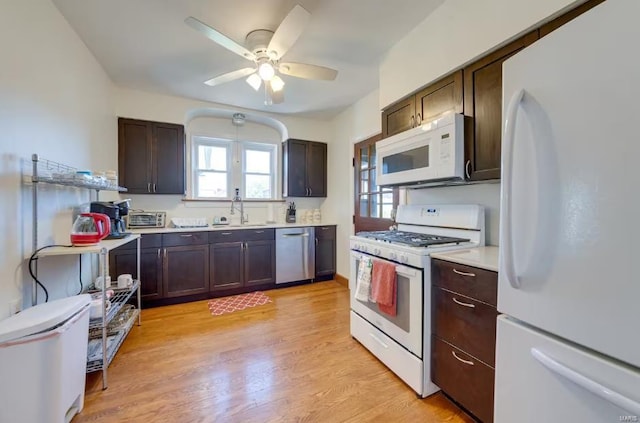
<point x="219" y="306"/>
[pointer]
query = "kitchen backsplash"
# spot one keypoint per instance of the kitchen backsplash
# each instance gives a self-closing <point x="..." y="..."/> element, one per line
<point x="258" y="212"/>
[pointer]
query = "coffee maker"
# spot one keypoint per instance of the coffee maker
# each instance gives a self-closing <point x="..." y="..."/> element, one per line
<point x="116" y="210"/>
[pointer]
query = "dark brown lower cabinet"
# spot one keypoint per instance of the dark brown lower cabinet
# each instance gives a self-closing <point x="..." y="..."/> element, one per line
<point x="185" y="270"/>
<point x="237" y="265"/>
<point x="325" y="251"/>
<point x="226" y="265"/>
<point x="466" y="379"/>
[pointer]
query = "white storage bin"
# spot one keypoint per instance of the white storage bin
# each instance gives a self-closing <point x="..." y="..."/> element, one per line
<point x="43" y="359"/>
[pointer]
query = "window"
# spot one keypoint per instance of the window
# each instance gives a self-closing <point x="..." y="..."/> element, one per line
<point x="219" y="166"/>
<point x="373" y="204"/>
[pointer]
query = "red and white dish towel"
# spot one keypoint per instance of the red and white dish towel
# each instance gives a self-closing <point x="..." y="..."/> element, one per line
<point x="384" y="286"/>
<point x="376" y="282"/>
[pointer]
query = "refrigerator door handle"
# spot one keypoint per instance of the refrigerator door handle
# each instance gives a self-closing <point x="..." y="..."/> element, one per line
<point x="584" y="382"/>
<point x="507" y="172"/>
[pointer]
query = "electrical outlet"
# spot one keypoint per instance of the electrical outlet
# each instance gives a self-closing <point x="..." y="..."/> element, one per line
<point x="14" y="307"/>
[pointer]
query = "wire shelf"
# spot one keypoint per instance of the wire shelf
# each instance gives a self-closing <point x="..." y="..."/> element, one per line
<point x="95" y="360"/>
<point x="51" y="172"/>
<point x="119" y="299"/>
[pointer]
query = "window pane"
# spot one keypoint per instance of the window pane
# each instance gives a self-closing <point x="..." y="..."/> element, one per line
<point x="364" y="186"/>
<point x="258" y="161"/>
<point x="373" y="155"/>
<point x="258" y="186"/>
<point x="387" y="197"/>
<point x="374" y="187"/>
<point x="212" y="184"/>
<point x="212" y="158"/>
<point x="375" y="209"/>
<point x="386" y="211"/>
<point x="364" y="205"/>
<point x="364" y="158"/>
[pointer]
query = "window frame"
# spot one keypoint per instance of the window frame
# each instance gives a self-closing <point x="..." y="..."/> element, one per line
<point x="236" y="166"/>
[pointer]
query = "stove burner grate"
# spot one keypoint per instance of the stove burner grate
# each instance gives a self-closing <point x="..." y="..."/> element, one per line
<point x="411" y="238"/>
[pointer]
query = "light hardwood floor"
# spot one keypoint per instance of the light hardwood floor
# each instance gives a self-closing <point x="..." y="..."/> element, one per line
<point x="292" y="360"/>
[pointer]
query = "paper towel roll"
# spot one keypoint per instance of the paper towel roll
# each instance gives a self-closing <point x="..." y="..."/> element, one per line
<point x="270" y="216"/>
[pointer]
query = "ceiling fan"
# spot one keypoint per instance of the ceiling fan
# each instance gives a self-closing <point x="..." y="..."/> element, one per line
<point x="265" y="49"/>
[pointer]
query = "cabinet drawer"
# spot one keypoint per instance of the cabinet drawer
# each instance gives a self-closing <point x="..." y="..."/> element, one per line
<point x="241" y="235"/>
<point x="465" y="379"/>
<point x="465" y="323"/>
<point x="473" y="282"/>
<point x="325" y="232"/>
<point x="185" y="238"/>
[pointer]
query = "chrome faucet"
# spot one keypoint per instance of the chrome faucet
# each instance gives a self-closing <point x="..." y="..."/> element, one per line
<point x="243" y="219"/>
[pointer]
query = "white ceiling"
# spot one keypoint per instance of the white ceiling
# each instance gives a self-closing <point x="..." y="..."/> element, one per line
<point x="145" y="45"/>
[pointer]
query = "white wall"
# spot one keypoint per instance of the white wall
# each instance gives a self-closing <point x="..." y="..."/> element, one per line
<point x="143" y="105"/>
<point x="357" y="123"/>
<point x="55" y="100"/>
<point x="453" y="35"/>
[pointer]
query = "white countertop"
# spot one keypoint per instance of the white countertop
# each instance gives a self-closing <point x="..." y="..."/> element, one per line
<point x="107" y="244"/>
<point x="482" y="257"/>
<point x="226" y="227"/>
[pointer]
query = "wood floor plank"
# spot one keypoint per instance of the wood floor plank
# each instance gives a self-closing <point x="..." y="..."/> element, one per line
<point x="292" y="360"/>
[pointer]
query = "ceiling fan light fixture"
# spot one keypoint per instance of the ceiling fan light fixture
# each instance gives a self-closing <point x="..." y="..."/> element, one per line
<point x="277" y="83"/>
<point x="266" y="71"/>
<point x="255" y="81"/>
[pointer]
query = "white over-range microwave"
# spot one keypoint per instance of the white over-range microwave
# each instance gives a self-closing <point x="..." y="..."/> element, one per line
<point x="431" y="152"/>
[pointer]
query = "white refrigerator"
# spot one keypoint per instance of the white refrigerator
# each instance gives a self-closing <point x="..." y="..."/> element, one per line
<point x="568" y="343"/>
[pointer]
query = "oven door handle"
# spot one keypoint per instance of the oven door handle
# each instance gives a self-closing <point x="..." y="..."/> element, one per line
<point x="406" y="271"/>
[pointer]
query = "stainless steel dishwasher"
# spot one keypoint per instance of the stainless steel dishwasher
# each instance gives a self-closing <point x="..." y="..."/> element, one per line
<point x="295" y="254"/>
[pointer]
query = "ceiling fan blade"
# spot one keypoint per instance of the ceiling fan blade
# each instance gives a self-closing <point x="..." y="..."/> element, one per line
<point x="306" y="71"/>
<point x="219" y="38"/>
<point x="288" y="32"/>
<point x="276" y="97"/>
<point x="230" y="76"/>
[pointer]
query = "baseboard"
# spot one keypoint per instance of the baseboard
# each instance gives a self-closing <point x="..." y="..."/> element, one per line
<point x="342" y="280"/>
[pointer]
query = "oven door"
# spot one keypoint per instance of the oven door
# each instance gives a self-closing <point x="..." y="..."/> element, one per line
<point x="406" y="327"/>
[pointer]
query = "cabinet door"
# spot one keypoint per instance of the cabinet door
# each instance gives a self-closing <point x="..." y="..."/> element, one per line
<point x="325" y="250"/>
<point x="134" y="155"/>
<point x="483" y="102"/>
<point x="124" y="261"/>
<point x="439" y="97"/>
<point x="168" y="155"/>
<point x="259" y="262"/>
<point x="398" y="117"/>
<point x="294" y="172"/>
<point x="226" y="265"/>
<point x="185" y="270"/>
<point x="317" y="169"/>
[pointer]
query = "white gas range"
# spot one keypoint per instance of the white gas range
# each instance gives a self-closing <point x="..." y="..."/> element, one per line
<point x="403" y="342"/>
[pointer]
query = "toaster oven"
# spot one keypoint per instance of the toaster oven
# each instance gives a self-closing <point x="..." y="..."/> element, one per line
<point x="146" y="219"/>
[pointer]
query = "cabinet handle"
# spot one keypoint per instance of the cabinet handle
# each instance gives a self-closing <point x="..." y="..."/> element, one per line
<point x="419" y="119"/>
<point x="164" y="253"/>
<point x="148" y="186"/>
<point x="455" y="300"/>
<point x="154" y="187"/>
<point x="316" y="241"/>
<point x="463" y="273"/>
<point x="412" y="121"/>
<point x="307" y="191"/>
<point x="259" y="232"/>
<point x="225" y="233"/>
<point x="186" y="235"/>
<point x="246" y="246"/>
<point x="158" y="253"/>
<point x="310" y="191"/>
<point x="467" y="166"/>
<point x="469" y="362"/>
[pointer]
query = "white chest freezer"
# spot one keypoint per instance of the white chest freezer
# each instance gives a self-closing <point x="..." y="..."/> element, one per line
<point x="43" y="359"/>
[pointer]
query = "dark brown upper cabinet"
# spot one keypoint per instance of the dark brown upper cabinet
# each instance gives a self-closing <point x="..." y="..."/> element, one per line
<point x="151" y="157"/>
<point x="425" y="105"/>
<point x="483" y="104"/>
<point x="304" y="168"/>
<point x="569" y="16"/>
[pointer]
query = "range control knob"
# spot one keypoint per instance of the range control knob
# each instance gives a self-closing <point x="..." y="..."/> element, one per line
<point x="404" y="259"/>
<point x="393" y="256"/>
<point x="356" y="246"/>
<point x="377" y="251"/>
<point x="364" y="248"/>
